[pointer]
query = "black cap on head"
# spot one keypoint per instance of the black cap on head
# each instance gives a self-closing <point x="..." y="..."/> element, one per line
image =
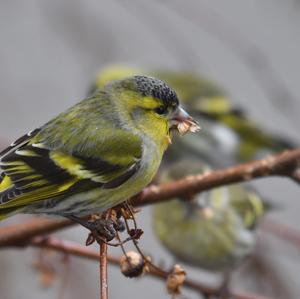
<point x="149" y="86"/>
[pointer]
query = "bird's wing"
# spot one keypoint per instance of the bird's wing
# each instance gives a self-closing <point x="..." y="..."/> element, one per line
<point x="32" y="172"/>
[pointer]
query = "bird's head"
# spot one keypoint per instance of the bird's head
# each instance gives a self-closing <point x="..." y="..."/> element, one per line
<point x="152" y="106"/>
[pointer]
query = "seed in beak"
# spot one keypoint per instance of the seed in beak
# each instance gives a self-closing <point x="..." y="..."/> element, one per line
<point x="183" y="122"/>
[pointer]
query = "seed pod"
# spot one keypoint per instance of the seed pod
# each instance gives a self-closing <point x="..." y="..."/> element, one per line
<point x="132" y="264"/>
<point x="175" y="280"/>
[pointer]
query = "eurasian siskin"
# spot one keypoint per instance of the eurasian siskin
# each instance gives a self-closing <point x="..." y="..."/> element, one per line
<point x="213" y="230"/>
<point x="96" y="154"/>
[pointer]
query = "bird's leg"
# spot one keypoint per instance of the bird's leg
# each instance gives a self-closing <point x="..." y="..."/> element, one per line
<point x="106" y="228"/>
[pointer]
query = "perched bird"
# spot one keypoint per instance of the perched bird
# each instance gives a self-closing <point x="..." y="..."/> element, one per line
<point x="227" y="128"/>
<point x="96" y="154"/>
<point x="213" y="230"/>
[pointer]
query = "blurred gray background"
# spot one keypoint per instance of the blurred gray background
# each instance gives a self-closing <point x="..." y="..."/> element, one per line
<point x="51" y="50"/>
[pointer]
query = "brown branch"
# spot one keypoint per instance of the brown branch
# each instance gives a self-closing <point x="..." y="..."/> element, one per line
<point x="84" y="252"/>
<point x="283" y="164"/>
<point x="103" y="262"/>
<point x="19" y="234"/>
<point x="103" y="271"/>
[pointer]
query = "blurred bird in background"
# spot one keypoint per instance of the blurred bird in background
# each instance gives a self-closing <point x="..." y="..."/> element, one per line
<point x="213" y="230"/>
<point x="229" y="135"/>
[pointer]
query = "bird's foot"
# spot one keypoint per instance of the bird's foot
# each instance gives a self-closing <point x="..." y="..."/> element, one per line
<point x="101" y="230"/>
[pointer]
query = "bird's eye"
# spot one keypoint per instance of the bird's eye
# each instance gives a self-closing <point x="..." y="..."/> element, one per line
<point x="160" y="110"/>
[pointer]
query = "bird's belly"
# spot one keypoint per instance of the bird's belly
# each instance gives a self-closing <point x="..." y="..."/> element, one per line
<point x="209" y="246"/>
<point x="220" y="254"/>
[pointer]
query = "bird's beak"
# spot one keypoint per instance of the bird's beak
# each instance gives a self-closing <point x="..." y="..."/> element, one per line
<point x="183" y="122"/>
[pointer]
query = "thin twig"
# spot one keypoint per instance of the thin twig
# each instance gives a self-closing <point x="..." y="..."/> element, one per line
<point x="84" y="252"/>
<point x="103" y="271"/>
<point x="103" y="262"/>
<point x="149" y="263"/>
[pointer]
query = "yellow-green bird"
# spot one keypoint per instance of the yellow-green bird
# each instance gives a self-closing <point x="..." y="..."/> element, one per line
<point x="227" y="128"/>
<point x="213" y="230"/>
<point x="96" y="154"/>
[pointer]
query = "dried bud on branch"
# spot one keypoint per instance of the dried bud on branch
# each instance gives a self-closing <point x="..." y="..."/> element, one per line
<point x="132" y="264"/>
<point x="175" y="280"/>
